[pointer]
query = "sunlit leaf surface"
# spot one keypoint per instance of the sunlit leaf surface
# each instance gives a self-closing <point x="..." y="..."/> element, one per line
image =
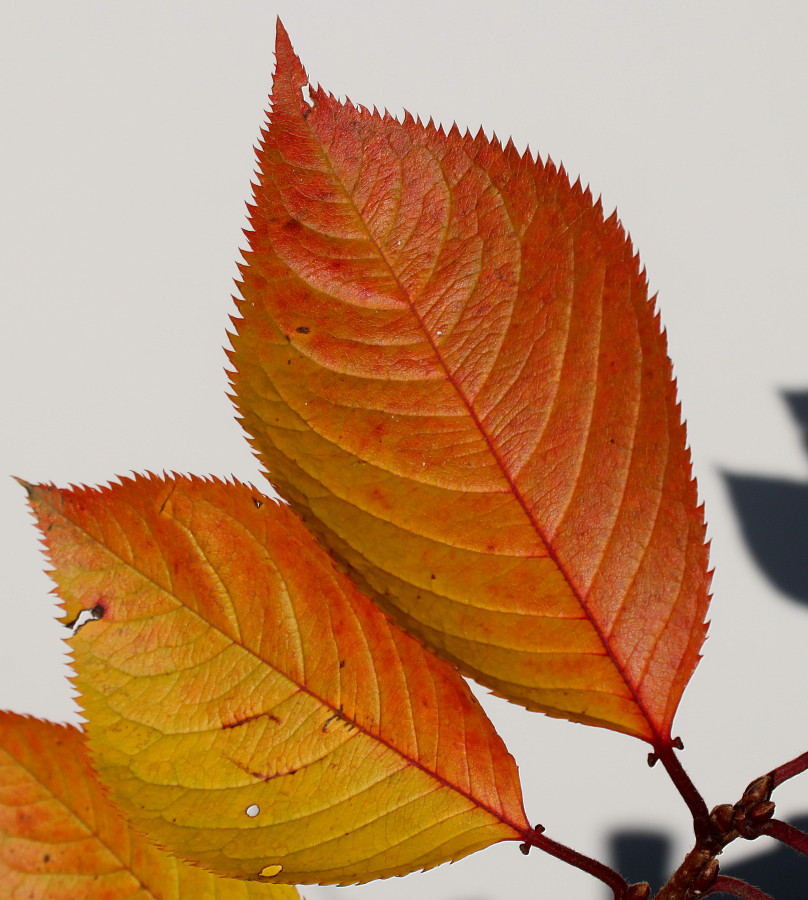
<point x="248" y="707"/>
<point x="449" y="364"/>
<point x="61" y="838"/>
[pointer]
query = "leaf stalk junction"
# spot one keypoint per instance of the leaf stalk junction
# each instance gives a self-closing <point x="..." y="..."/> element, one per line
<point x="699" y="873"/>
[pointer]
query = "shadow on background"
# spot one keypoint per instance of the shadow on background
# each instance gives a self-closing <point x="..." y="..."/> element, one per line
<point x="779" y="870"/>
<point x="773" y="513"/>
<point x="642" y="856"/>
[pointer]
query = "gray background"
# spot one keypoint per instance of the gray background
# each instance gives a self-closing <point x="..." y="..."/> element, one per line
<point x="127" y="130"/>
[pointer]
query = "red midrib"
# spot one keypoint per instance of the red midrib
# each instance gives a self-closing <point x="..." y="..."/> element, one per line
<point x="514" y="488"/>
<point x="333" y="706"/>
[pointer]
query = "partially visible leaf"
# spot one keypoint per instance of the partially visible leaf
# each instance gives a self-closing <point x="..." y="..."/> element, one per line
<point x="449" y="365"/>
<point x="62" y="839"/>
<point x="251" y="710"/>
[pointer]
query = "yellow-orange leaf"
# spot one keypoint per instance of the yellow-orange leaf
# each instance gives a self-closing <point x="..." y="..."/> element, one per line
<point x="449" y="365"/>
<point x="62" y="839"/>
<point x="248" y="708"/>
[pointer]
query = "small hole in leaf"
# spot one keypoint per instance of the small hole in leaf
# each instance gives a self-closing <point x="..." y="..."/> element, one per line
<point x="258" y="503"/>
<point x="253" y="810"/>
<point x="85" y="616"/>
<point x="269" y="871"/>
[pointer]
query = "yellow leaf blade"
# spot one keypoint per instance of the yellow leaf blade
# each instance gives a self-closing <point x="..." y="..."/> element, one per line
<point x="249" y="708"/>
<point x="62" y="839"/>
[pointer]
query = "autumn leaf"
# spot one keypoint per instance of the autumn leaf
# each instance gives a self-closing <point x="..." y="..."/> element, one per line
<point x="248" y="708"/>
<point x="448" y="363"/>
<point x="62" y="839"/>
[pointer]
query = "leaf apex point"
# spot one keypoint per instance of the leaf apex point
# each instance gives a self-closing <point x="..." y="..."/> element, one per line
<point x="26" y="485"/>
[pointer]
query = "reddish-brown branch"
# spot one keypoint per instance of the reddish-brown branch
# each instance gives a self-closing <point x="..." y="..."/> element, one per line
<point x="690" y="793"/>
<point x="679" y="884"/>
<point x="618" y="884"/>
<point x="786" y="833"/>
<point x="789" y="769"/>
<point x="724" y="884"/>
<point x="698" y="873"/>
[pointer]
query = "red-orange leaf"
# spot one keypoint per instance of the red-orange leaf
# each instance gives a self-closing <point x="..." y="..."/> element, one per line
<point x="449" y="365"/>
<point x="252" y="711"/>
<point x="62" y="839"/>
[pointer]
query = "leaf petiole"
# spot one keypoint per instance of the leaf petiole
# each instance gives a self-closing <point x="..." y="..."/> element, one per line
<point x="535" y="837"/>
<point x="689" y="792"/>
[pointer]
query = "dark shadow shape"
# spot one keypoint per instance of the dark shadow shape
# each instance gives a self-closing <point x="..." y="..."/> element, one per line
<point x="641" y="856"/>
<point x="774" y="520"/>
<point x="797" y="402"/>
<point x="773" y="513"/>
<point x="779" y="871"/>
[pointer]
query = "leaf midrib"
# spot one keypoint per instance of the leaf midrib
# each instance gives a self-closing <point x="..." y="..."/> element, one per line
<point x="514" y="489"/>
<point x="519" y="832"/>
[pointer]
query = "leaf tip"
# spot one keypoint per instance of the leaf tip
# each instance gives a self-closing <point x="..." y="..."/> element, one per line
<point x="283" y="43"/>
<point x="29" y="488"/>
<point x="288" y="68"/>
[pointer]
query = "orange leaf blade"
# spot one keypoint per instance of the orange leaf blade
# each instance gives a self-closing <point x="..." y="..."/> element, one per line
<point x="448" y="363"/>
<point x="252" y="711"/>
<point x="61" y="838"/>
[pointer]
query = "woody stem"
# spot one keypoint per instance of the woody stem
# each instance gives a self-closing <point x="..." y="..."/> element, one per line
<point x="618" y="884"/>
<point x="789" y="769"/>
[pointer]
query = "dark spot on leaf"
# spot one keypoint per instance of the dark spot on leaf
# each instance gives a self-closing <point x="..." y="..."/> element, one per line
<point x="46" y="858"/>
<point x="337" y="715"/>
<point x="260" y="776"/>
<point x="301" y="329"/>
<point x="236" y="722"/>
<point x="433" y="576"/>
<point x="342" y="664"/>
